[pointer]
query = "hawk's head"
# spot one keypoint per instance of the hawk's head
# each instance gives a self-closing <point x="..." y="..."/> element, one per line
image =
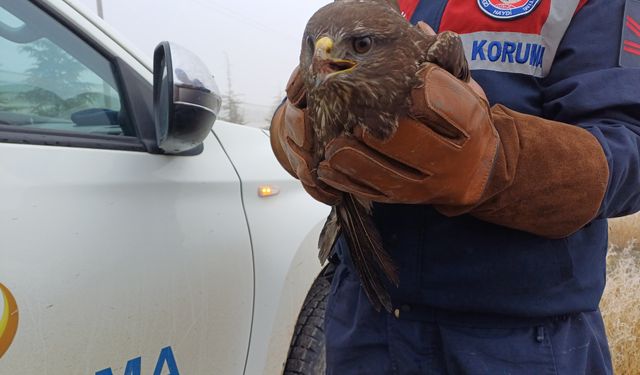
<point x="358" y="60"/>
<point x="352" y="37"/>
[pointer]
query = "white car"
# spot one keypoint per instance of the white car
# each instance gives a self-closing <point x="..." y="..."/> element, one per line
<point x="134" y="238"/>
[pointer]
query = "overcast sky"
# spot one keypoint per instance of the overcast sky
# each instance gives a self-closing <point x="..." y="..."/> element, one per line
<point x="260" y="37"/>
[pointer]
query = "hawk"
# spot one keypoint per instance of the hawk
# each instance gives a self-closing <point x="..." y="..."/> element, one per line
<point x="359" y="62"/>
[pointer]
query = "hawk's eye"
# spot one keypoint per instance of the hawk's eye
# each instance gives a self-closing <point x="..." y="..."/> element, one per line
<point x="310" y="42"/>
<point x="362" y="44"/>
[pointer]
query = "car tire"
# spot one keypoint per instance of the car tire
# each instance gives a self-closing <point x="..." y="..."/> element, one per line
<point x="307" y="350"/>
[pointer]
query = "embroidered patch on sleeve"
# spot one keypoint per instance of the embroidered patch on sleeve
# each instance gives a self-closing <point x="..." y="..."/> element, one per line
<point x="630" y="45"/>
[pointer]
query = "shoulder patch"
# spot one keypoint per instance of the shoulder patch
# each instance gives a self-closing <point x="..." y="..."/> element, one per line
<point x="630" y="44"/>
<point x="507" y="9"/>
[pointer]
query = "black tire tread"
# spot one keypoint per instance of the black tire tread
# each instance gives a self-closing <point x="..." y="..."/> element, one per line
<point x="307" y="350"/>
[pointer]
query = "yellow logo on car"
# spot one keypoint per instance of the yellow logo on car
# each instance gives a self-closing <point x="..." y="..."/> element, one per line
<point x="8" y="319"/>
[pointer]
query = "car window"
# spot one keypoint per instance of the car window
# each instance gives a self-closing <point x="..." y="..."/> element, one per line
<point x="51" y="79"/>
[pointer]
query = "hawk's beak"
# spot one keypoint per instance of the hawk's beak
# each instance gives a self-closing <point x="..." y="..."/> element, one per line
<point x="324" y="65"/>
<point x="324" y="46"/>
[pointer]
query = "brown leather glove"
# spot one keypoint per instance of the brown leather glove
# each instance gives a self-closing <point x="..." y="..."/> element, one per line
<point x="504" y="167"/>
<point x="292" y="142"/>
<point x="446" y="162"/>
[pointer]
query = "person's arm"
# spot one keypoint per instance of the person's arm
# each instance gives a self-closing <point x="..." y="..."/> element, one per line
<point x="504" y="167"/>
<point x="586" y="87"/>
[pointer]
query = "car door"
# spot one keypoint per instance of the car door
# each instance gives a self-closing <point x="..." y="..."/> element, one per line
<point x="120" y="260"/>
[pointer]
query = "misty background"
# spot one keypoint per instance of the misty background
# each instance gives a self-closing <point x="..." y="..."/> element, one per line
<point x="250" y="46"/>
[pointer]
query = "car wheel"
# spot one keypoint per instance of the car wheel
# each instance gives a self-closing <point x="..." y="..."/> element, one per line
<point x="307" y="350"/>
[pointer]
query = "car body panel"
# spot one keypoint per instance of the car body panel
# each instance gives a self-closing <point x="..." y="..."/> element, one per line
<point x="285" y="250"/>
<point x="112" y="255"/>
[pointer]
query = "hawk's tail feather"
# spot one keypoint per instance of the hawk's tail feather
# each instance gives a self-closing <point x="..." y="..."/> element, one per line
<point x="367" y="252"/>
<point x="329" y="235"/>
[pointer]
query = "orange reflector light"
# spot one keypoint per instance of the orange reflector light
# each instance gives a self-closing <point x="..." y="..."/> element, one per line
<point x="265" y="191"/>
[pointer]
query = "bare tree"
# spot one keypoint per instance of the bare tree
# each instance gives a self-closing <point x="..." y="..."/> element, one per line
<point x="277" y="100"/>
<point x="231" y="103"/>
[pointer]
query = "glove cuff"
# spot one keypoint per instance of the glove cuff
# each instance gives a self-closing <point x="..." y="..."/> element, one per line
<point x="548" y="178"/>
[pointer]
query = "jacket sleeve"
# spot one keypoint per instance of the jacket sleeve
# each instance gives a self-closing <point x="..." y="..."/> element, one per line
<point x="588" y="88"/>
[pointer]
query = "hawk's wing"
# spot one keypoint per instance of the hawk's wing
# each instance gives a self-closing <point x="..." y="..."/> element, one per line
<point x="448" y="52"/>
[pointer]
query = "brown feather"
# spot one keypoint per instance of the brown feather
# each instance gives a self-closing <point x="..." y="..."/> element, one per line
<point x="329" y="235"/>
<point x="368" y="255"/>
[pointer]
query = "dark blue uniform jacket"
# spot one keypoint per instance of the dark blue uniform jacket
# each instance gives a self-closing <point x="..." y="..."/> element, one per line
<point x="559" y="62"/>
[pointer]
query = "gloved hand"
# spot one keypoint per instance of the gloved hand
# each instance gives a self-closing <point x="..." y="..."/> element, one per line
<point x="442" y="154"/>
<point x="504" y="167"/>
<point x="292" y="142"/>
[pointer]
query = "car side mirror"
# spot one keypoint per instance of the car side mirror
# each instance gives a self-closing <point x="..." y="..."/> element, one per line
<point x="186" y="99"/>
